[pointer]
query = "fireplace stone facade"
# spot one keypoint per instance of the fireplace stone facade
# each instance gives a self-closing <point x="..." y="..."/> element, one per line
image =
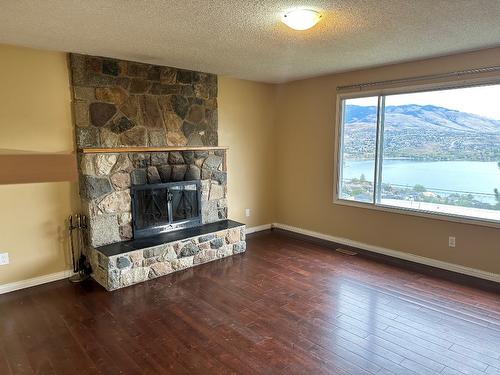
<point x="106" y="179"/>
<point x="124" y="103"/>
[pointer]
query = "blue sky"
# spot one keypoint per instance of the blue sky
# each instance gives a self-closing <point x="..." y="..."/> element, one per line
<point x="482" y="100"/>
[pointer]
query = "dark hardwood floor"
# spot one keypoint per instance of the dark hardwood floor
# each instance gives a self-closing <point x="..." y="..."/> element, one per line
<point x="286" y="306"/>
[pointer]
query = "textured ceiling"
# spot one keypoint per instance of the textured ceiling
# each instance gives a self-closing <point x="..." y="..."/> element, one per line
<point x="245" y="39"/>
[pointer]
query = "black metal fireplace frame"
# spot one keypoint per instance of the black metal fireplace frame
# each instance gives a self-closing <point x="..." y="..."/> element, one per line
<point x="172" y="225"/>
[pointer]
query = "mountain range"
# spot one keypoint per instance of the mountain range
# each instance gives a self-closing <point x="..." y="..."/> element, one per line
<point x="427" y="116"/>
<point x="422" y="132"/>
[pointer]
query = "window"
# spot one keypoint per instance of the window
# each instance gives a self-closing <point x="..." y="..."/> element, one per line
<point x="434" y="151"/>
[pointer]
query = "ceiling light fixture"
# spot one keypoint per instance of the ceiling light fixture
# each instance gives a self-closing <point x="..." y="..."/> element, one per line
<point x="301" y="19"/>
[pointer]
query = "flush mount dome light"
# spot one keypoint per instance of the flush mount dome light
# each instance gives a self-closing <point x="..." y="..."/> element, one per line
<point x="301" y="19"/>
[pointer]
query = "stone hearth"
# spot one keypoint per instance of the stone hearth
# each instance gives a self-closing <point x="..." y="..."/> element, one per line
<point x="127" y="263"/>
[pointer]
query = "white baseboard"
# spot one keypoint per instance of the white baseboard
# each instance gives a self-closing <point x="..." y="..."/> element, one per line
<point x="6" y="288"/>
<point x="395" y="253"/>
<point x="258" y="228"/>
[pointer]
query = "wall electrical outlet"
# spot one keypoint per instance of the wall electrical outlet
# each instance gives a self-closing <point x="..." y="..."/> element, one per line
<point x="248" y="212"/>
<point x="4" y="259"/>
<point x="451" y="241"/>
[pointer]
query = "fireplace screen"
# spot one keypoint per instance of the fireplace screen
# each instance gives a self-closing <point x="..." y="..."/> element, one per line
<point x="161" y="208"/>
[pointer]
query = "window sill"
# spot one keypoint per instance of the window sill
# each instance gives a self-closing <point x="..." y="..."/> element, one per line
<point x="420" y="213"/>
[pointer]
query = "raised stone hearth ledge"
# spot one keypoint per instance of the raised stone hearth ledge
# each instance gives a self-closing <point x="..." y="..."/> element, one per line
<point x="131" y="267"/>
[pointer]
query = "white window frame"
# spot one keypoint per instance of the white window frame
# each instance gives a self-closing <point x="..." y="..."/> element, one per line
<point x="338" y="147"/>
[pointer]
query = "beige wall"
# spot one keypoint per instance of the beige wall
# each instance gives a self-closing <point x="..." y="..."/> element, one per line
<point x="35" y="116"/>
<point x="305" y="124"/>
<point x="33" y="231"/>
<point x="246" y="125"/>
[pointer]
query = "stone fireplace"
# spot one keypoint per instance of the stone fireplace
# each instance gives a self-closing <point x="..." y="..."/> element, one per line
<point x="153" y="180"/>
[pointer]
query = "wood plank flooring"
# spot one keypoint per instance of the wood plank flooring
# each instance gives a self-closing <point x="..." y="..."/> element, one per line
<point x="284" y="307"/>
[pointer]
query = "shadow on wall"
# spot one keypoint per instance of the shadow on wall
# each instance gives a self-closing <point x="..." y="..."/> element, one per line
<point x="19" y="167"/>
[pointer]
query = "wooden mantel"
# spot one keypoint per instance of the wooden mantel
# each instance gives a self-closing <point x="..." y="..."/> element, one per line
<point x="149" y="149"/>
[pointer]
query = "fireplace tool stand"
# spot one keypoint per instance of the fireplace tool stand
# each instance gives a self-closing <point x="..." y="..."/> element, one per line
<point x="77" y="226"/>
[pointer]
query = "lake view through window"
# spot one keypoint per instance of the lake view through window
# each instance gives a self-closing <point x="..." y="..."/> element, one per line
<point x="435" y="151"/>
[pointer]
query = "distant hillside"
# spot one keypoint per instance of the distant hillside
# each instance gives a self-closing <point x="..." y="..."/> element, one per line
<point x="422" y="132"/>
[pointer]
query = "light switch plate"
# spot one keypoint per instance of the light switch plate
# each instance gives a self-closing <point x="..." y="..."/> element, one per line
<point x="4" y="259"/>
<point x="451" y="241"/>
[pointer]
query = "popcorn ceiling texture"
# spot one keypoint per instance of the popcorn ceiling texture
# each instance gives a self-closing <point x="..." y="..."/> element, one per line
<point x="245" y="39"/>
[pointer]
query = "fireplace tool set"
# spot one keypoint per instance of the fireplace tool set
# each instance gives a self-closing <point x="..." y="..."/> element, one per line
<point x="77" y="224"/>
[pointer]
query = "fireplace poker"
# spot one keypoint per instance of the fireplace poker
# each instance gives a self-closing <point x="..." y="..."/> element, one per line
<point x="72" y="227"/>
<point x="81" y="268"/>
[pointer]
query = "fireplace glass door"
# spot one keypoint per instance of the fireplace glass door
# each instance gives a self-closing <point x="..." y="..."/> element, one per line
<point x="160" y="208"/>
<point x="184" y="202"/>
<point x="152" y="208"/>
